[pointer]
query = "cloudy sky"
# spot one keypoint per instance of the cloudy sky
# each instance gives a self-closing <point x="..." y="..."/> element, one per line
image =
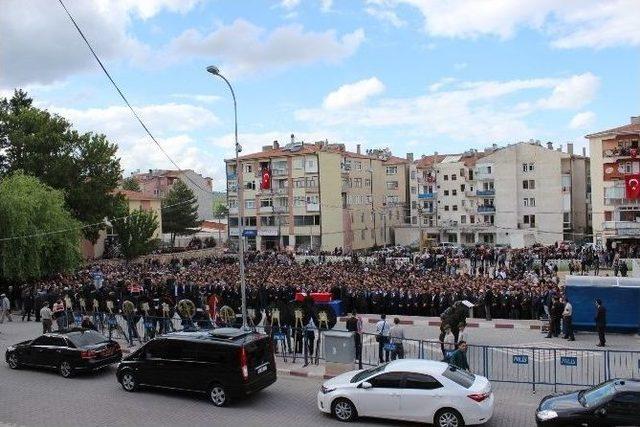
<point x="411" y="75"/>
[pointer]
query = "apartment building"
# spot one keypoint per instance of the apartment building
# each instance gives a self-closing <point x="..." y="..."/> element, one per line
<point x="515" y="195"/>
<point x="317" y="196"/>
<point x="615" y="169"/>
<point x="158" y="182"/>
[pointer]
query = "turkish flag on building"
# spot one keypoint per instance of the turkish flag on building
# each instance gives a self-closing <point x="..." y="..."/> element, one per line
<point x="265" y="184"/>
<point x="632" y="186"/>
<point x="633" y="152"/>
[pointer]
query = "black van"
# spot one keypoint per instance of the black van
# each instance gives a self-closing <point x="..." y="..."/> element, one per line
<point x="225" y="363"/>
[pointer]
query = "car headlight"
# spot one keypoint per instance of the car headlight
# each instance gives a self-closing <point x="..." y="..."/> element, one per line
<point x="326" y="390"/>
<point x="547" y="415"/>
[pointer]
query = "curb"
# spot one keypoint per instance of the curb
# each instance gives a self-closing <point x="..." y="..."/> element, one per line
<point x="437" y="323"/>
<point x="303" y="374"/>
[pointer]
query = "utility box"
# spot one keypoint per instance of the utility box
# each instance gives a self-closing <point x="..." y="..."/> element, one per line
<point x="339" y="347"/>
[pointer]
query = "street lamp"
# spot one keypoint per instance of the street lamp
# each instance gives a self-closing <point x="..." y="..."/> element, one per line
<point x="243" y="287"/>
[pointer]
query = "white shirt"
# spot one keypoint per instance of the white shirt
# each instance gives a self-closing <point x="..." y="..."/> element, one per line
<point x="382" y="328"/>
<point x="568" y="310"/>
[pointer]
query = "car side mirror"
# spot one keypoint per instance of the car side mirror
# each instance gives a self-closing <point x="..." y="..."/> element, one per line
<point x="602" y="412"/>
<point x="365" y="385"/>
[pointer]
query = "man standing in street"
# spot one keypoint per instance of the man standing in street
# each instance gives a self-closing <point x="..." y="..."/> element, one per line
<point x="5" y="308"/>
<point x="46" y="314"/>
<point x="354" y="324"/>
<point x="601" y="322"/>
<point x="382" y="336"/>
<point x="459" y="357"/>
<point x="488" y="302"/>
<point x="396" y="335"/>
<point x="567" y="317"/>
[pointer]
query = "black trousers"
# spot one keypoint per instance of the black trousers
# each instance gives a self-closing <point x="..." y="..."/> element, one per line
<point x="358" y="342"/>
<point x="381" y="350"/>
<point x="601" y="337"/>
<point x="568" y="323"/>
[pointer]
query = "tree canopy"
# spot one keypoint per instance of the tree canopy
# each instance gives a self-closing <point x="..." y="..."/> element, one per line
<point x="130" y="184"/>
<point x="134" y="230"/>
<point x="83" y="165"/>
<point x="180" y="211"/>
<point x="29" y="207"/>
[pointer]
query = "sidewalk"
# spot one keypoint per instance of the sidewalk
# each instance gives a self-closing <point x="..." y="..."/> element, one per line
<point x="471" y="322"/>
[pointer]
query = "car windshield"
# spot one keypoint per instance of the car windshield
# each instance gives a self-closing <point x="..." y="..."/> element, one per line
<point x="597" y="395"/>
<point x="459" y="376"/>
<point x="367" y="373"/>
<point x="82" y="339"/>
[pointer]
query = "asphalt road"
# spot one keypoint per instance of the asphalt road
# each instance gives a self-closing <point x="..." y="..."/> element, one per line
<point x="41" y="398"/>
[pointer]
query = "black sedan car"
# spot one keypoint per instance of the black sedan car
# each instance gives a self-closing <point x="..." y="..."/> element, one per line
<point x="68" y="352"/>
<point x="612" y="403"/>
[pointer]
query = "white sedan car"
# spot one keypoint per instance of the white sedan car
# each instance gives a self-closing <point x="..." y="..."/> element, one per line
<point x="411" y="390"/>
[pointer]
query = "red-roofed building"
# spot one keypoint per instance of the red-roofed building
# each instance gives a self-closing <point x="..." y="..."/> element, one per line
<point x="615" y="164"/>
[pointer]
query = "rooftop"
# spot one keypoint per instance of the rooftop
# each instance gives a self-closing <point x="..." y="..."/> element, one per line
<point x="632" y="128"/>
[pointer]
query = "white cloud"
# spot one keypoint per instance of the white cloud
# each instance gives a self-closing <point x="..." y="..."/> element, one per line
<point x="354" y="93"/>
<point x="325" y="5"/>
<point x="467" y="111"/>
<point x="289" y="4"/>
<point x="582" y="120"/>
<point x="386" y="15"/>
<point x="205" y="99"/>
<point x="40" y="44"/>
<point x="441" y="83"/>
<point x="569" y="23"/>
<point x="460" y="66"/>
<point x="244" y="48"/>
<point x="172" y="124"/>
<point x="573" y="92"/>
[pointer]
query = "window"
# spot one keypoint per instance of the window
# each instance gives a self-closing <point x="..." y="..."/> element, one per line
<point x="313" y="200"/>
<point x="454" y="192"/>
<point x="454" y="207"/>
<point x="358" y="166"/>
<point x="446" y="192"/>
<point x="458" y="376"/>
<point x="155" y="349"/>
<point x="311" y="164"/>
<point x="532" y="201"/>
<point x="298" y="201"/>
<point x="525" y="202"/>
<point x="446" y="207"/>
<point x="251" y="185"/>
<point x="267" y="221"/>
<point x="446" y="178"/>
<point x="461" y="187"/>
<point x="86" y="338"/>
<point x="472" y="219"/>
<point x="388" y="380"/>
<point x="525" y="167"/>
<point x="367" y="182"/>
<point x="392" y="185"/>
<point x="210" y="353"/>
<point x="461" y="172"/>
<point x="532" y="184"/>
<point x="414" y="204"/>
<point x="413" y="174"/>
<point x="306" y="220"/>
<point x="249" y="204"/>
<point x="357" y="182"/>
<point x="44" y="340"/>
<point x="525" y="185"/>
<point x="532" y="167"/>
<point x="362" y="235"/>
<point x="413" y="190"/>
<point x="266" y="203"/>
<point x="463" y="219"/>
<point x="421" y="382"/>
<point x="529" y="184"/>
<point x="250" y="221"/>
<point x="312" y="182"/>
<point x="248" y="168"/>
<point x="453" y="177"/>
<point x="298" y="164"/>
<point x="392" y="170"/>
<point x="362" y="218"/>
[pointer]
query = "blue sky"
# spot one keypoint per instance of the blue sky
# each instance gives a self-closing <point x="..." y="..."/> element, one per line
<point x="412" y="75"/>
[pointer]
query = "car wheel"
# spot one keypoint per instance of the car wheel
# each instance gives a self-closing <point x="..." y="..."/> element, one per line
<point x="65" y="370"/>
<point x="344" y="410"/>
<point x="218" y="395"/>
<point x="448" y="418"/>
<point x="128" y="381"/>
<point x="12" y="361"/>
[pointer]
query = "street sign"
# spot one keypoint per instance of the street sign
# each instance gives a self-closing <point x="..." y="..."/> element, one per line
<point x="249" y="233"/>
<point x="520" y="359"/>
<point x="568" y="361"/>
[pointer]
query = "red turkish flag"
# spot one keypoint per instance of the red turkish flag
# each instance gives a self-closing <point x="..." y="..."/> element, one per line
<point x="265" y="184"/>
<point x="632" y="186"/>
<point x="633" y="152"/>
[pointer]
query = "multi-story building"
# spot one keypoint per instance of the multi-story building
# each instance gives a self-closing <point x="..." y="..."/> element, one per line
<point x="496" y="196"/>
<point x="158" y="182"/>
<point x="614" y="163"/>
<point x="319" y="196"/>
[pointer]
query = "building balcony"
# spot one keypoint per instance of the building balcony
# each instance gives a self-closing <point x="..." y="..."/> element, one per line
<point x="231" y="176"/>
<point x="265" y="209"/>
<point x="620" y="152"/>
<point x="280" y="190"/>
<point x="426" y="196"/>
<point x="523" y="226"/>
<point x="280" y="209"/>
<point x="486" y="209"/>
<point x="280" y="172"/>
<point x="313" y="207"/>
<point x="483" y="176"/>
<point x="312" y="189"/>
<point x="269" y="230"/>
<point x="486" y="193"/>
<point x="623" y="228"/>
<point x="233" y="210"/>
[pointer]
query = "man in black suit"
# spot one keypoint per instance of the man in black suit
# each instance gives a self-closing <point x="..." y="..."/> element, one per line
<point x="601" y="322"/>
<point x="354" y="324"/>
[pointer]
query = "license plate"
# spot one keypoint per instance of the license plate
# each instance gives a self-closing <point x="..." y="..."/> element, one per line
<point x="261" y="369"/>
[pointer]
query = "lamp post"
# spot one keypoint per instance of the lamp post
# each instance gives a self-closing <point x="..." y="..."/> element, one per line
<point x="243" y="287"/>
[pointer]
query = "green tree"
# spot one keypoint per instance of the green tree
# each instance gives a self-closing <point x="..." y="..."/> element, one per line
<point x="130" y="184"/>
<point x="83" y="165"/>
<point x="134" y="230"/>
<point x="32" y="209"/>
<point x="220" y="210"/>
<point x="180" y="211"/>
